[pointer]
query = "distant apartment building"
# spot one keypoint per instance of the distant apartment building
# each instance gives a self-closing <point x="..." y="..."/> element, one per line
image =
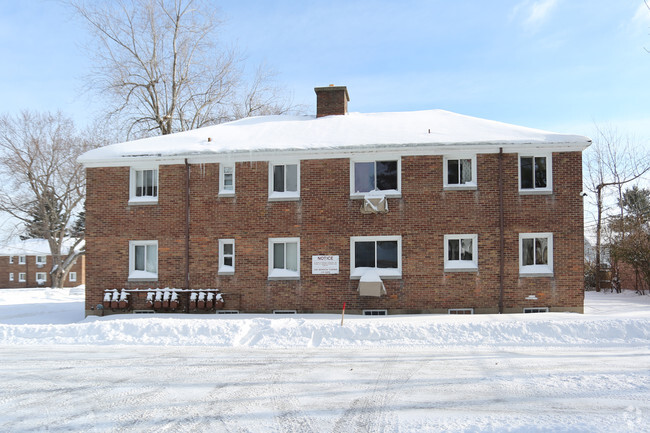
<point x="28" y="264"/>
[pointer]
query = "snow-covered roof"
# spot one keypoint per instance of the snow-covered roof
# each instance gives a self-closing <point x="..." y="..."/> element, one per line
<point x="34" y="247"/>
<point x="335" y="134"/>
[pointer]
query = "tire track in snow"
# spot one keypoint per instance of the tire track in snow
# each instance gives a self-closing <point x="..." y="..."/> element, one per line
<point x="370" y="413"/>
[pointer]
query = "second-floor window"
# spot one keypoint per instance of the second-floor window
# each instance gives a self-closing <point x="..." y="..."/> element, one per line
<point x="226" y="179"/>
<point x="144" y="185"/>
<point x="41" y="260"/>
<point x="284" y="181"/>
<point x="22" y="260"/>
<point x="535" y="173"/>
<point x="375" y="176"/>
<point x="459" y="172"/>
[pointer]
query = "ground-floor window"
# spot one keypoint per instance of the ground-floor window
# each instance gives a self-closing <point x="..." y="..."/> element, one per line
<point x="11" y="276"/>
<point x="381" y="253"/>
<point x="143" y="260"/>
<point x="461" y="252"/>
<point x="72" y="277"/>
<point x="226" y="257"/>
<point x="41" y="277"/>
<point x="536" y="254"/>
<point x="284" y="258"/>
<point x="22" y="277"/>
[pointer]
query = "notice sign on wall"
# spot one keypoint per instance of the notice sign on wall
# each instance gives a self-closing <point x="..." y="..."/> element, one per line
<point x="324" y="265"/>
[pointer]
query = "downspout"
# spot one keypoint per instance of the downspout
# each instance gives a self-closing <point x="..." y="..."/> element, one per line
<point x="187" y="224"/>
<point x="501" y="231"/>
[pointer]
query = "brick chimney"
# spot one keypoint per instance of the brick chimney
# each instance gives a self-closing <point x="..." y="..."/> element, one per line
<point x="332" y="100"/>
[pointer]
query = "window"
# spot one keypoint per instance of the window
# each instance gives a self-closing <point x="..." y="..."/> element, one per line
<point x="459" y="173"/>
<point x="382" y="253"/>
<point x="284" y="181"/>
<point x="41" y="260"/>
<point x="461" y="311"/>
<point x="226" y="257"/>
<point x="143" y="260"/>
<point x="72" y="277"/>
<point x="22" y="277"/>
<point x="144" y="185"/>
<point x="536" y="254"/>
<point x="41" y="277"/>
<point x="375" y="312"/>
<point x="461" y="252"/>
<point x="284" y="258"/>
<point x="11" y="276"/>
<point x="375" y="176"/>
<point x="536" y="310"/>
<point x="535" y="173"/>
<point x="285" y="312"/>
<point x="11" y="260"/>
<point x="22" y="260"/>
<point x="226" y="179"/>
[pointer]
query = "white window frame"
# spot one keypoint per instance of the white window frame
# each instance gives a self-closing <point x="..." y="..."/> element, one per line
<point x="72" y="277"/>
<point x="445" y="172"/>
<point x="11" y="276"/>
<point x="356" y="273"/>
<point x="283" y="274"/>
<point x="11" y="260"/>
<point x="223" y="268"/>
<point x="41" y="262"/>
<point x="22" y="277"/>
<point x="375" y="312"/>
<point x="142" y="275"/>
<point x="461" y="265"/>
<point x="528" y="310"/>
<point x="549" y="173"/>
<point x="285" y="195"/>
<point x="391" y="193"/>
<point x="460" y="311"/>
<point x="133" y="199"/>
<point x="41" y="279"/>
<point x="536" y="270"/>
<point x="22" y="260"/>
<point x="222" y="177"/>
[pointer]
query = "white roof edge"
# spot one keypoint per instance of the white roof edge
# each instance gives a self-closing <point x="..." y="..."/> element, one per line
<point x="411" y="149"/>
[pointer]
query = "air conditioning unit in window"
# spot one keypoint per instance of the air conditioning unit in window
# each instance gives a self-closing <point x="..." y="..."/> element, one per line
<point x="374" y="202"/>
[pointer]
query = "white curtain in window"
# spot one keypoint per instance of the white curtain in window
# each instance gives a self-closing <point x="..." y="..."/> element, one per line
<point x="292" y="256"/>
<point x="152" y="259"/>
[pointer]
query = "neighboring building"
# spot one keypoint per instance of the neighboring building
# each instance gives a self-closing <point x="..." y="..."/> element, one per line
<point x="28" y="264"/>
<point x="412" y="212"/>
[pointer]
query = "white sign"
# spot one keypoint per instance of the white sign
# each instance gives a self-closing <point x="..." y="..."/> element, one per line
<point x="325" y="265"/>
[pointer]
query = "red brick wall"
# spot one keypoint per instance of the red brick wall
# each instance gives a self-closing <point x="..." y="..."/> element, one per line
<point x="31" y="268"/>
<point x="324" y="219"/>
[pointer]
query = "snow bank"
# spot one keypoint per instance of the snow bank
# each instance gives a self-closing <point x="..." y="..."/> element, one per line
<point x="26" y="320"/>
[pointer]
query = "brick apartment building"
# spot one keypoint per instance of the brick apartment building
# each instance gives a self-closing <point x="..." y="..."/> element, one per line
<point x="411" y="212"/>
<point x="28" y="264"/>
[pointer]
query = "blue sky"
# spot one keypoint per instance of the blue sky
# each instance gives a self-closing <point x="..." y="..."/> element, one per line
<point x="552" y="64"/>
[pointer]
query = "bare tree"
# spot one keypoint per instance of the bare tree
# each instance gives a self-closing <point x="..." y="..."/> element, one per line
<point x="162" y="65"/>
<point x="43" y="185"/>
<point x="612" y="162"/>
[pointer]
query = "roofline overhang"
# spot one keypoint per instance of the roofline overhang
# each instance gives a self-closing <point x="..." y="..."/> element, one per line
<point x="408" y="149"/>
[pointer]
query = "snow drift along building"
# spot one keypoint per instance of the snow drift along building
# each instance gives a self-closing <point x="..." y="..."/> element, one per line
<point x="409" y="212"/>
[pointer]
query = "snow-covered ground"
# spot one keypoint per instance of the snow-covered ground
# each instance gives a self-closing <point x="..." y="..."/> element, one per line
<point x="518" y="373"/>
